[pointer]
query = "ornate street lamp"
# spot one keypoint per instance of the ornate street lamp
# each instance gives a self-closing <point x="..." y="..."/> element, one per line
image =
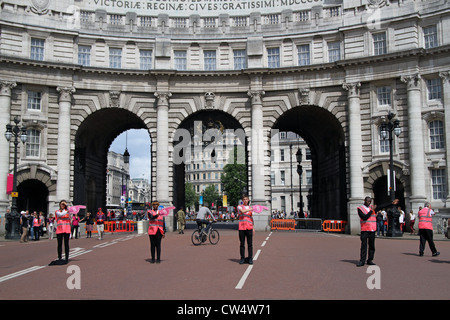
<point x="392" y="125"/>
<point x="298" y="155"/>
<point x="126" y="160"/>
<point x="13" y="218"/>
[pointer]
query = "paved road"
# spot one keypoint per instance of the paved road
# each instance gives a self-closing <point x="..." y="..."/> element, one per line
<point x="288" y="265"/>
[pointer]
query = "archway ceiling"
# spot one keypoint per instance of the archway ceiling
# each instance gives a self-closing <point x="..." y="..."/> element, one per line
<point x="318" y="127"/>
<point x="100" y="129"/>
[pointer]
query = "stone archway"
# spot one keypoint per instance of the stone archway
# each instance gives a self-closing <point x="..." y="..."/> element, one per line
<point x="92" y="141"/>
<point x="203" y="136"/>
<point x="324" y="134"/>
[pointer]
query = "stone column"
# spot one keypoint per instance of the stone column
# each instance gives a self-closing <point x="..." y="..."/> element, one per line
<point x="63" y="153"/>
<point x="355" y="155"/>
<point x="446" y="98"/>
<point x="5" y="118"/>
<point x="162" y="147"/>
<point x="416" y="147"/>
<point x="257" y="147"/>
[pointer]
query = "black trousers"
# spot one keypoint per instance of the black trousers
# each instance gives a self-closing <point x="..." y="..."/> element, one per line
<point x="60" y="237"/>
<point x="367" y="237"/>
<point x="155" y="245"/>
<point x="249" y="235"/>
<point x="426" y="235"/>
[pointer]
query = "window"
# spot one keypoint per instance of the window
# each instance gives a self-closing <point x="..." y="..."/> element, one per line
<point x="281" y="154"/>
<point x="37" y="49"/>
<point x="84" y="55"/>
<point x="308" y="154"/>
<point x="272" y="178"/>
<point x="283" y="177"/>
<point x="180" y="60"/>
<point x="438" y="183"/>
<point x="33" y="143"/>
<point x="273" y="57"/>
<point x="430" y="37"/>
<point x="379" y="43"/>
<point x="434" y="89"/>
<point x="34" y="100"/>
<point x="384" y="143"/>
<point x="115" y="58"/>
<point x="209" y="61"/>
<point x="240" y="59"/>
<point x="145" y="59"/>
<point x="384" y="96"/>
<point x="436" y="134"/>
<point x="334" y="51"/>
<point x="303" y="55"/>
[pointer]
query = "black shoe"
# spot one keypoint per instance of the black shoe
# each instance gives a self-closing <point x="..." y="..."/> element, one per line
<point x="371" y="263"/>
<point x="436" y="254"/>
<point x="250" y="261"/>
<point x="242" y="261"/>
<point x="152" y="261"/>
<point x="158" y="261"/>
<point x="420" y="254"/>
<point x="360" y="264"/>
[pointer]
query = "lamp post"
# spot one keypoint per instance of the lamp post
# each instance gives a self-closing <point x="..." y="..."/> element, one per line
<point x="298" y="155"/>
<point x="126" y="160"/>
<point x="13" y="218"/>
<point x="392" y="125"/>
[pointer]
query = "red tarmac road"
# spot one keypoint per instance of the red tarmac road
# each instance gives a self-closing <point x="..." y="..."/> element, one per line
<point x="288" y="265"/>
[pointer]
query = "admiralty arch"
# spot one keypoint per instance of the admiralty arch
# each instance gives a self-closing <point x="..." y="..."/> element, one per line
<point x="77" y="73"/>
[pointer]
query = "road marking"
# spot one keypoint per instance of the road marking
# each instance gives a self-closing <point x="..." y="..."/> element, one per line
<point x="256" y="255"/>
<point x="73" y="253"/>
<point x="20" y="273"/>
<point x="244" y="277"/>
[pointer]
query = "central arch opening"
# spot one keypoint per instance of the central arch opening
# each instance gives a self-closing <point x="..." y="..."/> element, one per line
<point x="205" y="143"/>
<point x="324" y="137"/>
<point x="92" y="141"/>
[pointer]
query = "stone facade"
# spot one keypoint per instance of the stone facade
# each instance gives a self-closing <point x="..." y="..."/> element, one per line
<point x="329" y="71"/>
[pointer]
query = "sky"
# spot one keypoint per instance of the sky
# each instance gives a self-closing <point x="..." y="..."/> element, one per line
<point x="138" y="144"/>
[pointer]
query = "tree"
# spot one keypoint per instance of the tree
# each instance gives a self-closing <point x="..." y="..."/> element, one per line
<point x="234" y="177"/>
<point x="191" y="197"/>
<point x="210" y="195"/>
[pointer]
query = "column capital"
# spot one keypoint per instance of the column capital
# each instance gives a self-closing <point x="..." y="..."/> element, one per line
<point x="256" y="95"/>
<point x="65" y="93"/>
<point x="445" y="75"/>
<point x="412" y="81"/>
<point x="6" y="87"/>
<point x="163" y="97"/>
<point x="352" y="88"/>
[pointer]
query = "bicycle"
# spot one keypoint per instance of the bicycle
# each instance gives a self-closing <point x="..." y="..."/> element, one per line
<point x="199" y="236"/>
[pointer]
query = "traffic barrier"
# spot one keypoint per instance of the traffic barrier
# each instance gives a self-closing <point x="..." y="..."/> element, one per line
<point x="334" y="225"/>
<point x="119" y="226"/>
<point x="282" y="224"/>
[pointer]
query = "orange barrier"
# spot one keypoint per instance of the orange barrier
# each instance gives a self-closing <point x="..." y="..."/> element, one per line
<point x="334" y="225"/>
<point x="116" y="226"/>
<point x="119" y="226"/>
<point x="282" y="224"/>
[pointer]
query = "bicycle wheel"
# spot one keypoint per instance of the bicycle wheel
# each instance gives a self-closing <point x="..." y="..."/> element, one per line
<point x="214" y="236"/>
<point x="196" y="239"/>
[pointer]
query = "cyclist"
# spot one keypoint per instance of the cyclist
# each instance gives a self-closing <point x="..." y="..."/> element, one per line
<point x="201" y="217"/>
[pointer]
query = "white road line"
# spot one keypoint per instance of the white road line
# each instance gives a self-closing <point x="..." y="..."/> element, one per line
<point x="19" y="273"/>
<point x="74" y="253"/>
<point x="256" y="255"/>
<point x="244" y="277"/>
<point x="263" y="244"/>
